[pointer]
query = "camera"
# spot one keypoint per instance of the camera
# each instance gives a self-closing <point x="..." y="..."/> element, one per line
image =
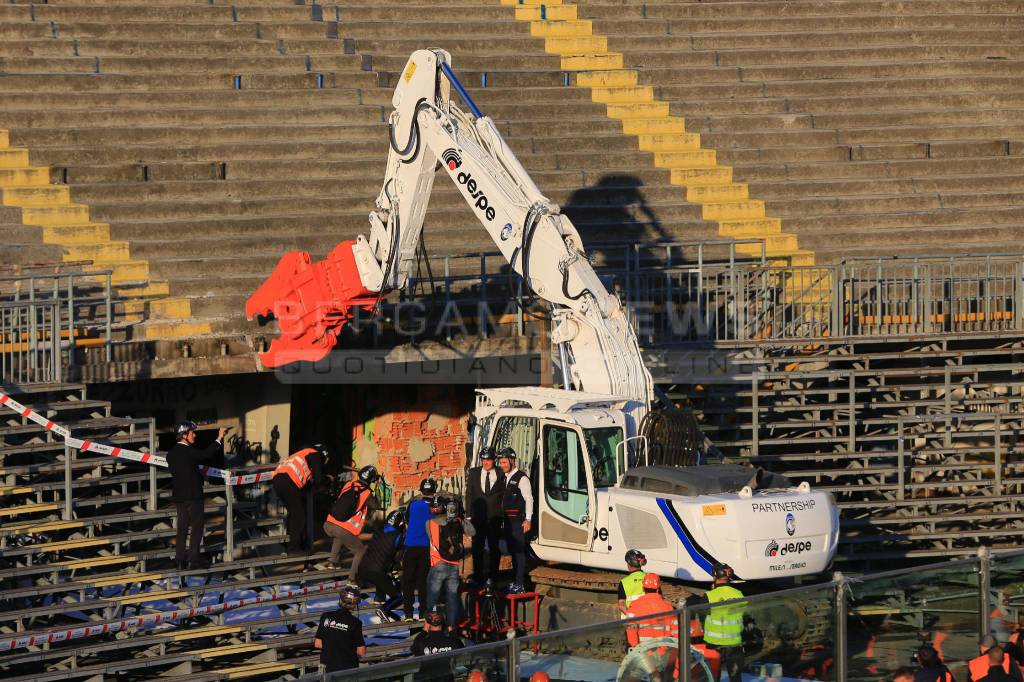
<point x="454" y="510"/>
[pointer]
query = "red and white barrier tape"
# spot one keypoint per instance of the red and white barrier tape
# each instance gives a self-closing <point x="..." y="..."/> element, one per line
<point x="144" y="457"/>
<point x="112" y="627"/>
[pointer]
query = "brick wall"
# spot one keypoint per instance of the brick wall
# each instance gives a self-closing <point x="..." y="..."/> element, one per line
<point x="411" y="432"/>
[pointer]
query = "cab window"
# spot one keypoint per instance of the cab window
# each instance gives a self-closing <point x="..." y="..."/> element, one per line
<point x="565" y="474"/>
<point x="602" y="445"/>
<point x="520" y="434"/>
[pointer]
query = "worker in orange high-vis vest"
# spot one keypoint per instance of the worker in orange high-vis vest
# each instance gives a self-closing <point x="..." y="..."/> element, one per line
<point x="292" y="479"/>
<point x="347" y="519"/>
<point x="992" y="654"/>
<point x="1015" y="644"/>
<point x="646" y="631"/>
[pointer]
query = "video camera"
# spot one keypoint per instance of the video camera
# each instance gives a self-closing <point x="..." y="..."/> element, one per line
<point x="454" y="510"/>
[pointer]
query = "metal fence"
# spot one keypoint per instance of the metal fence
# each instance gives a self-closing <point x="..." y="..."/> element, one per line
<point x="30" y="347"/>
<point x="715" y="291"/>
<point x="44" y="317"/>
<point x="847" y="629"/>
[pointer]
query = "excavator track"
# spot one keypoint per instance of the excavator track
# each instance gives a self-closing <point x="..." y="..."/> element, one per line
<point x="795" y="622"/>
<point x="590" y="580"/>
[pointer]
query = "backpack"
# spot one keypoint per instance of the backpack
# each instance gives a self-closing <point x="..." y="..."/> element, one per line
<point x="345" y="506"/>
<point x="450" y="541"/>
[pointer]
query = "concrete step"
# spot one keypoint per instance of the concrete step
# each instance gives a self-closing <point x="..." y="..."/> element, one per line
<point x="119" y="83"/>
<point x="941" y="140"/>
<point x="155" y="30"/>
<point x="897" y="21"/>
<point x="1010" y="217"/>
<point x="43" y="138"/>
<point x="307" y="215"/>
<point x="467" y="61"/>
<point x="477" y="46"/>
<point x="840" y="38"/>
<point x="908" y="168"/>
<point x="189" y="116"/>
<point x="277" y="97"/>
<point x="803" y="72"/>
<point x="431" y="29"/>
<point x="560" y="187"/>
<point x="919" y="238"/>
<point x="181" y="13"/>
<point x="782" y="8"/>
<point x="40" y="47"/>
<point x="139" y="48"/>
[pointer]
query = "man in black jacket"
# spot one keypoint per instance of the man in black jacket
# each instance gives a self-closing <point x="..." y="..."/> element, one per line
<point x="183" y="461"/>
<point x="380" y="559"/>
<point x="485" y="486"/>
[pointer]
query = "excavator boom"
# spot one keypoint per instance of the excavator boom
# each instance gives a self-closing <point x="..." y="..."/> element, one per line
<point x="313" y="301"/>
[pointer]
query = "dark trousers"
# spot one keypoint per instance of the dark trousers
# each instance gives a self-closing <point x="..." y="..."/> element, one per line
<point x="415" y="567"/>
<point x="382" y="582"/>
<point x="732" y="662"/>
<point x="515" y="538"/>
<point x="295" y="502"/>
<point x="190" y="522"/>
<point x="488" y="534"/>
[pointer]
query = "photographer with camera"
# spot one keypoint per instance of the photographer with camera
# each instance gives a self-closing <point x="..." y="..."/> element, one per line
<point x="447" y="531"/>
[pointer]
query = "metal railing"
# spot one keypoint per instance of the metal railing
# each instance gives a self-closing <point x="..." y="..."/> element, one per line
<point x="846" y="629"/>
<point x="846" y="399"/>
<point x="716" y="291"/>
<point x="30" y="344"/>
<point x="76" y="308"/>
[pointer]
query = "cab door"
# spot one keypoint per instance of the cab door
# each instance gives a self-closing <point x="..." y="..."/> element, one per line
<point x="565" y="492"/>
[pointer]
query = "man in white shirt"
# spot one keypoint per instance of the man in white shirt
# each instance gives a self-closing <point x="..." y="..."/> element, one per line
<point x="517" y="506"/>
<point x="485" y="489"/>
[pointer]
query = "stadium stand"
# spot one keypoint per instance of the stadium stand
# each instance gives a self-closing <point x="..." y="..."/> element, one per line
<point x="86" y="542"/>
<point x="183" y="145"/>
<point x="916" y="439"/>
<point x="189" y="136"/>
<point x="869" y="126"/>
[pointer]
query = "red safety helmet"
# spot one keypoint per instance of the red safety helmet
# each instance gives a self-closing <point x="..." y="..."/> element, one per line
<point x="652" y="582"/>
<point x="540" y="676"/>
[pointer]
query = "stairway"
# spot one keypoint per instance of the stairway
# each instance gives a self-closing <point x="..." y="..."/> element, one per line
<point x="213" y="138"/>
<point x="869" y="126"/>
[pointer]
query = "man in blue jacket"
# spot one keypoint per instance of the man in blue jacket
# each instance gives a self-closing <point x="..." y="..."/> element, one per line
<point x="416" y="562"/>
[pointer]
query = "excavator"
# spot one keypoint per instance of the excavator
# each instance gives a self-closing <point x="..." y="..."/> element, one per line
<point x="613" y="465"/>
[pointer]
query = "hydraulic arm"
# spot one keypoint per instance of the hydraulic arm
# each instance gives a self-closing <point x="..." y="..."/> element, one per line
<point x="313" y="301"/>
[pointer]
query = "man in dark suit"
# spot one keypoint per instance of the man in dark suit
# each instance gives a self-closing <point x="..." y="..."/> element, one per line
<point x="485" y="486"/>
<point x="183" y="461"/>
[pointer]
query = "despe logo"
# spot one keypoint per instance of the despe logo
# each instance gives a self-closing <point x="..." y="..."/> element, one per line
<point x="451" y="159"/>
<point x="774" y="549"/>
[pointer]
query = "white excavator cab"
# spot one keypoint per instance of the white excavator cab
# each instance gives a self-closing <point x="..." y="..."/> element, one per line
<point x="596" y="495"/>
<point x="569" y="443"/>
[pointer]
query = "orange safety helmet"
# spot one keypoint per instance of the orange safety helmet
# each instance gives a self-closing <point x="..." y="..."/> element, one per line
<point x="477" y="676"/>
<point x="652" y="582"/>
<point x="540" y="676"/>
